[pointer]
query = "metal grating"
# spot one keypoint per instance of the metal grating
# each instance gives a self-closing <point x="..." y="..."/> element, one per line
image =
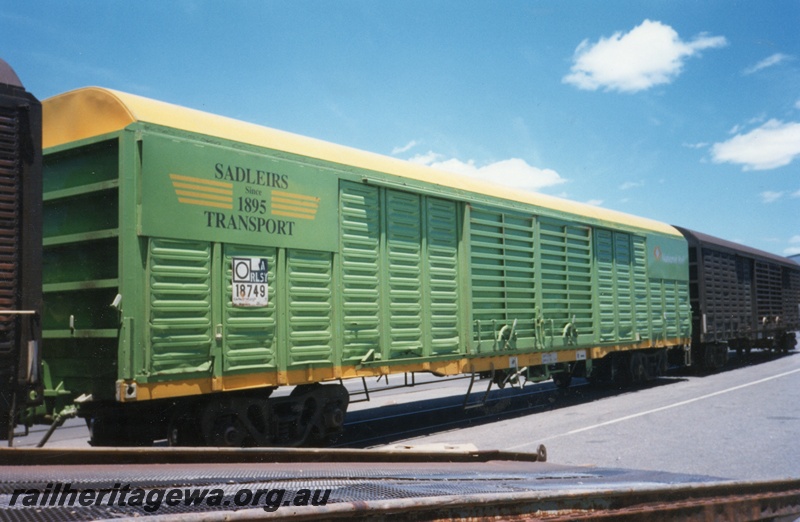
<point x="354" y="484"/>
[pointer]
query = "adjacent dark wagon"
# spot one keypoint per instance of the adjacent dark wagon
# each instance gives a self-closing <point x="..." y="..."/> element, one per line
<point x="20" y="247"/>
<point x="742" y="298"/>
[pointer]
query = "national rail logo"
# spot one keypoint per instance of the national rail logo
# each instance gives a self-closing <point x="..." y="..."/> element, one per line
<point x="659" y="255"/>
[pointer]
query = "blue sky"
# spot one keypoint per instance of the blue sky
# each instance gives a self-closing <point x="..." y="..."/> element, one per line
<point x="682" y="111"/>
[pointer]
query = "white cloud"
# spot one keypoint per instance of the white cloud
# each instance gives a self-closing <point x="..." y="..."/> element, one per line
<point x="770" y="61"/>
<point x="699" y="145"/>
<point x="514" y="172"/>
<point x="770" y="196"/>
<point x="428" y="158"/>
<point x="795" y="248"/>
<point x="631" y="184"/>
<point x="405" y="148"/>
<point x="595" y="202"/>
<point x="772" y="145"/>
<point x="650" y="54"/>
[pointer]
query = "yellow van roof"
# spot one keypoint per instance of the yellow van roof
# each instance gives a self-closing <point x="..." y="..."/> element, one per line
<point x="93" y="111"/>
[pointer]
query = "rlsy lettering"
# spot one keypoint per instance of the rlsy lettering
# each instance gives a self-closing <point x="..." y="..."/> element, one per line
<point x="248" y="223"/>
<point x="251" y="176"/>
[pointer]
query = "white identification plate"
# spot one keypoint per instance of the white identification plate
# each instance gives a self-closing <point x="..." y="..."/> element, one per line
<point x="549" y="358"/>
<point x="249" y="281"/>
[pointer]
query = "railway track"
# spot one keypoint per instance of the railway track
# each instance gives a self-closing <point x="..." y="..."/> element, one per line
<point x="384" y="425"/>
<point x="388" y="423"/>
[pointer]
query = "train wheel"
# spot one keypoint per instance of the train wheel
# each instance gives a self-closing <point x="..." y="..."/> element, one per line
<point x="227" y="431"/>
<point x="312" y="415"/>
<point x="238" y="422"/>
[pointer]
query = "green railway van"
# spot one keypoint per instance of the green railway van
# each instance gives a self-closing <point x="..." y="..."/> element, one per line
<point x="193" y="264"/>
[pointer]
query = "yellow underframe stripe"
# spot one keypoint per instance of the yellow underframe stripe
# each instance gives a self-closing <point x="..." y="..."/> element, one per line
<point x="464" y="365"/>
